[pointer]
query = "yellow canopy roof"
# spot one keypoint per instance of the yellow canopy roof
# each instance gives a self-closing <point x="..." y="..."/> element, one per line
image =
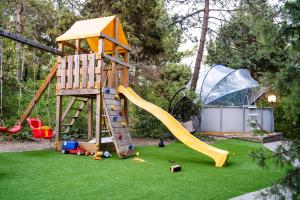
<point x="90" y="30"/>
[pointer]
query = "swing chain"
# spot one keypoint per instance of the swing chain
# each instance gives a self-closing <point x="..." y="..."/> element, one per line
<point x="1" y="83"/>
<point x="21" y="81"/>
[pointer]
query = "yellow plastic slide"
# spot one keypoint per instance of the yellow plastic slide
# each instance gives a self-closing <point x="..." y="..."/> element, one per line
<point x="220" y="156"/>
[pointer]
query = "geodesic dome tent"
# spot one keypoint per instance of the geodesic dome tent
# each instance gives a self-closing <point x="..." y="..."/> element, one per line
<point x="221" y="85"/>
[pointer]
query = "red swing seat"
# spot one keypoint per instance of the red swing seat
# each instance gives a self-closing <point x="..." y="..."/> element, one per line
<point x="13" y="130"/>
<point x="38" y="130"/>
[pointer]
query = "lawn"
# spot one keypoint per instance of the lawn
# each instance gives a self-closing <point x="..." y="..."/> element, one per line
<point x="50" y="175"/>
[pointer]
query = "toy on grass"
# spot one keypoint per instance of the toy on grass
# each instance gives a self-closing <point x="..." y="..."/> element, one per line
<point x="106" y="154"/>
<point x="107" y="90"/>
<point x="98" y="155"/>
<point x="175" y="168"/>
<point x="131" y="147"/>
<point x="124" y="124"/>
<point x="115" y="117"/>
<point x="161" y="142"/>
<point x="138" y="160"/>
<point x="137" y="153"/>
<point x="72" y="147"/>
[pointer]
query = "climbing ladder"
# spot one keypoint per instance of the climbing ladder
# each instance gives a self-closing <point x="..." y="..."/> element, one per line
<point x="69" y="116"/>
<point x="116" y="123"/>
<point x="253" y="116"/>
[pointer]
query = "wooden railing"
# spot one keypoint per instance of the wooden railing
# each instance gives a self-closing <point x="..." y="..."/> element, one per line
<point x="78" y="72"/>
<point x="86" y="71"/>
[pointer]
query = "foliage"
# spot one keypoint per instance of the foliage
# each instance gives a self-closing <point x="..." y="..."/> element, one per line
<point x="269" y="48"/>
<point x="74" y="177"/>
<point x="154" y="46"/>
<point x="160" y="92"/>
<point x="285" y="154"/>
<point x="144" y="22"/>
<point x="249" y="40"/>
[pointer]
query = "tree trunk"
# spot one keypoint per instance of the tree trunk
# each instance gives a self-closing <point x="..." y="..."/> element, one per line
<point x="19" y="10"/>
<point x="201" y="46"/>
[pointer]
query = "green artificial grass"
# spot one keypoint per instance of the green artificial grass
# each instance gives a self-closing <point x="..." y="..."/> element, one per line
<point x="51" y="175"/>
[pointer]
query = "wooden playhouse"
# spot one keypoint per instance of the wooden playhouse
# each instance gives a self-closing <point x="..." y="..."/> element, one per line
<point x="95" y="62"/>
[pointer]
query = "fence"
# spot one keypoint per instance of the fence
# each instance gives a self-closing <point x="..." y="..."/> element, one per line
<point x="234" y="119"/>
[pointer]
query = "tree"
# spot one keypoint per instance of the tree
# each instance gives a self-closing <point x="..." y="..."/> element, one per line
<point x="144" y="23"/>
<point x="286" y="83"/>
<point x="191" y="20"/>
<point x="201" y="46"/>
<point x="249" y="40"/>
<point x="164" y="84"/>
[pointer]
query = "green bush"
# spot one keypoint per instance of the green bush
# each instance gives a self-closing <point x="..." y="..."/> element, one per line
<point x="160" y="92"/>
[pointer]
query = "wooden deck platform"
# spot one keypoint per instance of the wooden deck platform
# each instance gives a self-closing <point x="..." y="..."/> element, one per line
<point x="266" y="138"/>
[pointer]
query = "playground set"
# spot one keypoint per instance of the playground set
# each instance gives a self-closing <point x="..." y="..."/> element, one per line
<point x="93" y="69"/>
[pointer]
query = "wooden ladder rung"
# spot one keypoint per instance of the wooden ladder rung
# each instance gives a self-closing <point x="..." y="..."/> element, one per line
<point x="72" y="117"/>
<point x="67" y="124"/>
<point x="84" y="100"/>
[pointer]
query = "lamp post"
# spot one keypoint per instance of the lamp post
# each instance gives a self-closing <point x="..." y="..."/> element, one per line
<point x="272" y="99"/>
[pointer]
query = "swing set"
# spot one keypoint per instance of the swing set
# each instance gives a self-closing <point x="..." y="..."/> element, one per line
<point x="38" y="129"/>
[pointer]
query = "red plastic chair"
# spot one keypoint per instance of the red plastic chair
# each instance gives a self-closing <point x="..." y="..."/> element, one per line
<point x="15" y="129"/>
<point x="38" y="130"/>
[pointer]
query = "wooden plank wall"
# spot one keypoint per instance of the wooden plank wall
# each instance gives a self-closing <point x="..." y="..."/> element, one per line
<point x="78" y="72"/>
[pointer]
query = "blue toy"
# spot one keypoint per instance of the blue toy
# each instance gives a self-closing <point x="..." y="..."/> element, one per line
<point x="71" y="147"/>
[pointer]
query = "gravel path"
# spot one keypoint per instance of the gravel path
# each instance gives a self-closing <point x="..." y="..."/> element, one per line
<point x="45" y="144"/>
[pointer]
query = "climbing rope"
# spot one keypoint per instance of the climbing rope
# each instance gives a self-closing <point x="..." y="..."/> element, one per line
<point x="34" y="82"/>
<point x="47" y="104"/>
<point x="21" y="81"/>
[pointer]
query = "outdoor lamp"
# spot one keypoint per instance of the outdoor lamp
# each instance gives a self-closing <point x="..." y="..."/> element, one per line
<point x="272" y="98"/>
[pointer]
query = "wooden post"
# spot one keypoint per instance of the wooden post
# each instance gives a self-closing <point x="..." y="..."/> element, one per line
<point x="59" y="102"/>
<point x="90" y="118"/>
<point x="61" y="47"/>
<point x="125" y="83"/>
<point x="58" y="118"/>
<point x="124" y="72"/>
<point x="99" y="79"/>
<point x="112" y="81"/>
<point x="77" y="50"/>
<point x="98" y="116"/>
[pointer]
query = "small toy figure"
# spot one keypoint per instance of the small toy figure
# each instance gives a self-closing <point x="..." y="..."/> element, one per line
<point x="106" y="154"/>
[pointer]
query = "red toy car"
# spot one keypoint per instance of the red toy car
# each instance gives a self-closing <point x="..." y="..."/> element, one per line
<point x="79" y="151"/>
